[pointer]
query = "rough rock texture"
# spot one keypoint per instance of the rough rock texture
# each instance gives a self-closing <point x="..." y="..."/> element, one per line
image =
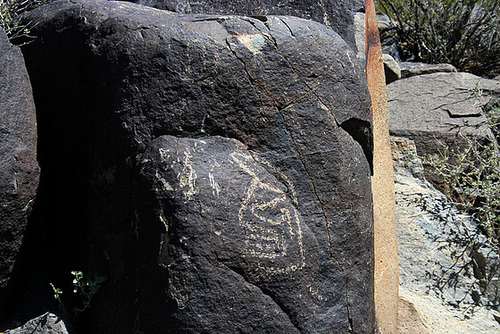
<point x="440" y="108"/>
<point x="391" y="68"/>
<point x="335" y="14"/>
<point x="47" y="323"/>
<point x="409" y="319"/>
<point x="410" y="69"/>
<point x="359" y="35"/>
<point x="384" y="205"/>
<point x="19" y="171"/>
<point x="448" y="287"/>
<point x="219" y="169"/>
<point x="233" y="225"/>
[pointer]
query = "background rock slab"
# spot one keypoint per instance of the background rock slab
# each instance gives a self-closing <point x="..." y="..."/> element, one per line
<point x="410" y="69"/>
<point x="440" y="109"/>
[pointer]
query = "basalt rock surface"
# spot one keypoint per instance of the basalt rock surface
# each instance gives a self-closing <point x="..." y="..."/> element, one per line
<point x="219" y="169"/>
<point x="335" y="14"/>
<point x="19" y="172"/>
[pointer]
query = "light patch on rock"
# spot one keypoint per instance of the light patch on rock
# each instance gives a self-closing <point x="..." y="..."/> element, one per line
<point x="253" y="42"/>
<point x="215" y="186"/>
<point x="164" y="183"/>
<point x="359" y="34"/>
<point x="164" y="154"/>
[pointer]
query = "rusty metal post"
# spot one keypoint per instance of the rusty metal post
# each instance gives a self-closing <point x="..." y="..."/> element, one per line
<point x="384" y="206"/>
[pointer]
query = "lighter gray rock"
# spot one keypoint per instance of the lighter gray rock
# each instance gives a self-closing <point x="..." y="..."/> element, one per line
<point x="436" y="246"/>
<point x="359" y="34"/>
<point x="391" y="69"/>
<point x="384" y="22"/>
<point x="47" y="323"/>
<point x="410" y="69"/>
<point x="440" y="108"/>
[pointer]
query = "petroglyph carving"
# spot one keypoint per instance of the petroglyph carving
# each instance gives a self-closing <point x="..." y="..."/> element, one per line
<point x="163" y="182"/>
<point x="215" y="186"/>
<point x="270" y="226"/>
<point x="187" y="177"/>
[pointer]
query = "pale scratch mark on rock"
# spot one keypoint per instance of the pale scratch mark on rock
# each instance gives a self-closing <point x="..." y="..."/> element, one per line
<point x="164" y="154"/>
<point x="215" y="186"/>
<point x="166" y="186"/>
<point x="326" y="22"/>
<point x="163" y="258"/>
<point x="314" y="291"/>
<point x="271" y="225"/>
<point x="187" y="177"/>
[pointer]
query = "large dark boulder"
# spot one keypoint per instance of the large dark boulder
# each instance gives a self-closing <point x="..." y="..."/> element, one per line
<point x="219" y="169"/>
<point x="19" y="172"/>
<point x="335" y="14"/>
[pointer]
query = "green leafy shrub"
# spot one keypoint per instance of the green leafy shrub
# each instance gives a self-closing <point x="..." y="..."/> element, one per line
<point x="492" y="110"/>
<point x="83" y="288"/>
<point x="472" y="181"/>
<point x="471" y="178"/>
<point x="10" y="17"/>
<point x="465" y="33"/>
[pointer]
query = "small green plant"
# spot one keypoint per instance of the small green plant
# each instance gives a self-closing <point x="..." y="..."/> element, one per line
<point x="471" y="179"/>
<point x="493" y="115"/>
<point x="84" y="288"/>
<point x="465" y="33"/>
<point x="57" y="295"/>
